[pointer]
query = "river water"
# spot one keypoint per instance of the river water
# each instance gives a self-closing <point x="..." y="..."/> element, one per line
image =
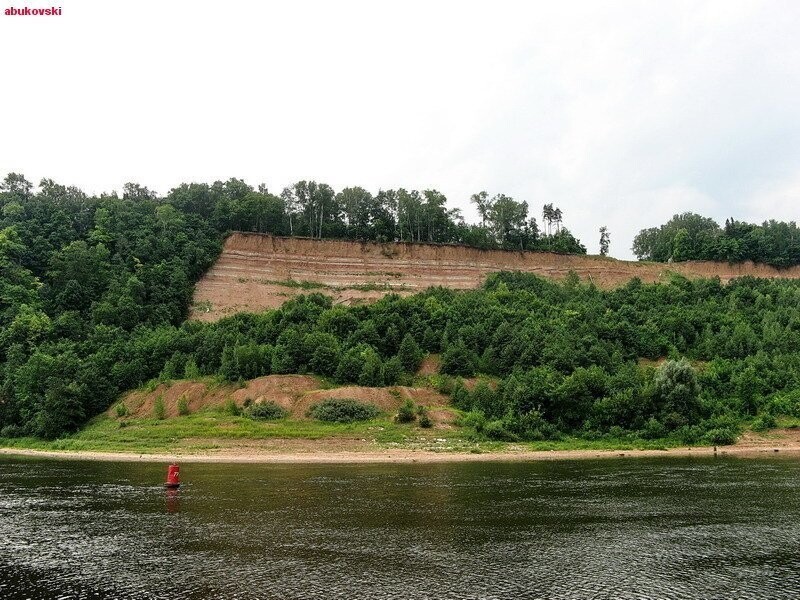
<point x="620" y="528"/>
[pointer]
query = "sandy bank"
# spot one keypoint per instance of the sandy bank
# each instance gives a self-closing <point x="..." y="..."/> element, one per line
<point x="406" y="456"/>
<point x="256" y="272"/>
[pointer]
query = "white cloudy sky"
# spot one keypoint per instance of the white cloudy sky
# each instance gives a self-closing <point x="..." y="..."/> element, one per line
<point x="621" y="113"/>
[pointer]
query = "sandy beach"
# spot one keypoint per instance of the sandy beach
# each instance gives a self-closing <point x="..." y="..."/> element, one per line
<point x="408" y="456"/>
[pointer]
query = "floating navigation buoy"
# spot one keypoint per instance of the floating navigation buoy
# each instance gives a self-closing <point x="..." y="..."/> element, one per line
<point x="173" y="476"/>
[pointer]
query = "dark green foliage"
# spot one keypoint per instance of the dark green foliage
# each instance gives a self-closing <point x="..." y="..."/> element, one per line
<point x="787" y="403"/>
<point x="289" y="355"/>
<point x="392" y="371"/>
<point x="352" y="363"/>
<point x="231" y="408"/>
<point x="487" y="401"/>
<point x="460" y="396"/>
<point x="265" y="411"/>
<point x="344" y="410"/>
<point x="371" y="370"/>
<point x="689" y="236"/>
<point x="721" y="436"/>
<point x="457" y="359"/>
<point x="497" y="430"/>
<point x="324" y="351"/>
<point x="530" y="426"/>
<point x="676" y="393"/>
<point x="406" y="413"/>
<point x="409" y="354"/>
<point x="764" y="422"/>
<point x="94" y="292"/>
<point x="159" y="409"/>
<point x="247" y="361"/>
<point x="653" y="429"/>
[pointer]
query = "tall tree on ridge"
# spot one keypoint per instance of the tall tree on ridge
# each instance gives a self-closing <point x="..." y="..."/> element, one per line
<point x="481" y="200"/>
<point x="605" y="240"/>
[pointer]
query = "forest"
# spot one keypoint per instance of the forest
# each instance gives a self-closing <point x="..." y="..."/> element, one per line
<point x="689" y="236"/>
<point x="94" y="294"/>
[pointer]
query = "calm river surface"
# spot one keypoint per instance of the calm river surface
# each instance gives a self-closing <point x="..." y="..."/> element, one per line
<point x="620" y="528"/>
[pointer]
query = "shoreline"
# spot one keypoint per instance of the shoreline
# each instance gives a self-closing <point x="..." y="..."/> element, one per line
<point x="403" y="456"/>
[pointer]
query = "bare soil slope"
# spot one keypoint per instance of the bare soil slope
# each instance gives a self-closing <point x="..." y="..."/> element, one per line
<point x="295" y="393"/>
<point x="257" y="272"/>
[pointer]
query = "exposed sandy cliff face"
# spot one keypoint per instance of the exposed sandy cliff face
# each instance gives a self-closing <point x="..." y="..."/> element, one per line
<point x="256" y="272"/>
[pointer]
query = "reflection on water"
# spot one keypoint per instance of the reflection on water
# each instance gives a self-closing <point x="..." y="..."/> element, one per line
<point x="660" y="528"/>
<point x="173" y="501"/>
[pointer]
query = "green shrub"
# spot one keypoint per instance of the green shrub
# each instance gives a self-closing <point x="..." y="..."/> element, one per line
<point x="121" y="410"/>
<point x="653" y="430"/>
<point x="721" y="436"/>
<point x="406" y="413"/>
<point x="425" y="420"/>
<point x="159" y="410"/>
<point x="787" y="403"/>
<point x="231" y="408"/>
<point x="372" y="370"/>
<point x="11" y="431"/>
<point x="764" y="422"/>
<point x="531" y="427"/>
<point x="676" y="393"/>
<point x="472" y="419"/>
<point x="343" y="410"/>
<point x="444" y="384"/>
<point x="487" y="401"/>
<point x="616" y="432"/>
<point x="183" y="406"/>
<point x="496" y="430"/>
<point x="392" y="371"/>
<point x="458" y="359"/>
<point x="191" y="371"/>
<point x="266" y="411"/>
<point x="409" y="354"/>
<point x="461" y="397"/>
<point x="689" y="434"/>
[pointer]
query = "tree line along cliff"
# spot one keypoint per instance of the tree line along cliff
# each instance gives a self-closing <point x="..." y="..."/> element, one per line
<point x="95" y="291"/>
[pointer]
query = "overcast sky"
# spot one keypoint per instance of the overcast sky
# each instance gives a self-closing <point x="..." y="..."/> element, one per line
<point x="621" y="113"/>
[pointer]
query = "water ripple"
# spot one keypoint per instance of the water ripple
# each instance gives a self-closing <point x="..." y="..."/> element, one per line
<point x="644" y="529"/>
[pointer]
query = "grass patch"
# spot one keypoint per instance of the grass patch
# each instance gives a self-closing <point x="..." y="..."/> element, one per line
<point x="575" y="443"/>
<point x="315" y="285"/>
<point x="212" y="429"/>
<point x="204" y="429"/>
<point x="292" y="283"/>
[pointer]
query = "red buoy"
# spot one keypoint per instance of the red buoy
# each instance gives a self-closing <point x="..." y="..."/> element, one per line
<point x="173" y="476"/>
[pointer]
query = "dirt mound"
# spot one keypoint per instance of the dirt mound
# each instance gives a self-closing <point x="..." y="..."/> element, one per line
<point x="257" y="272"/>
<point x="142" y="403"/>
<point x="284" y="390"/>
<point x="295" y="393"/>
<point x="431" y="365"/>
